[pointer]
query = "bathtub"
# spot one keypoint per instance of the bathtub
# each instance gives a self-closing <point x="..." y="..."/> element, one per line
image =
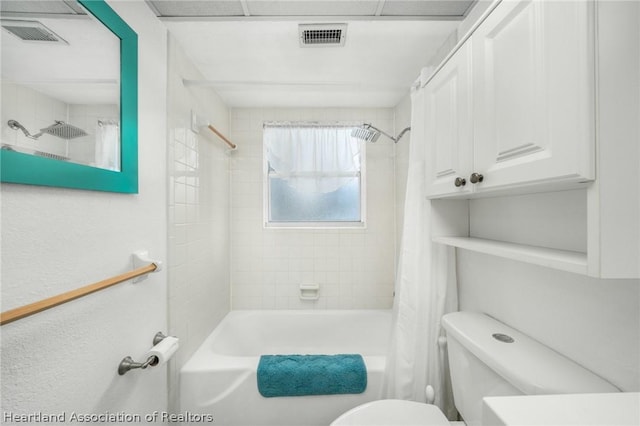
<point x="220" y="378"/>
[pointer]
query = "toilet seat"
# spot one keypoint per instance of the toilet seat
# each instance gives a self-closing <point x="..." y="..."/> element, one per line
<point x="392" y="412"/>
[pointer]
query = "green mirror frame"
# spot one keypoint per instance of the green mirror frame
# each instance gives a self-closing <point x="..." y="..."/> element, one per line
<point x="27" y="169"/>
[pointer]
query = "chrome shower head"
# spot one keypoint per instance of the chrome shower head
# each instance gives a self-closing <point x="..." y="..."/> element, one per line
<point x="64" y="130"/>
<point x="59" y="129"/>
<point x="367" y="133"/>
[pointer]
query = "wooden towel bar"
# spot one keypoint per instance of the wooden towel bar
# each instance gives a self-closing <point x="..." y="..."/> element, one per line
<point x="34" y="308"/>
<point x="227" y="141"/>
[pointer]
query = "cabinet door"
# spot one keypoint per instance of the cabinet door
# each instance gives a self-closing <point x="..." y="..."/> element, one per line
<point x="448" y="126"/>
<point x="533" y="93"/>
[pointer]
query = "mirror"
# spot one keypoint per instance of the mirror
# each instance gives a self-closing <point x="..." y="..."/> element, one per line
<point x="69" y="96"/>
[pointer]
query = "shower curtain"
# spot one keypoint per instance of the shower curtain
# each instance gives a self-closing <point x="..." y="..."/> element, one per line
<point x="425" y="289"/>
<point x="107" y="148"/>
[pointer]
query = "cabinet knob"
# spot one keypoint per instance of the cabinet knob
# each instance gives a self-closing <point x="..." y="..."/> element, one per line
<point x="476" y="177"/>
<point x="460" y="182"/>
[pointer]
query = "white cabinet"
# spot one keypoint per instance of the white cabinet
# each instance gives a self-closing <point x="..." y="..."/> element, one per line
<point x="448" y="124"/>
<point x="552" y="101"/>
<point x="532" y="94"/>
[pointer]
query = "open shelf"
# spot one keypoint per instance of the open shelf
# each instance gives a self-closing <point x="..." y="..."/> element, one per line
<point x="564" y="260"/>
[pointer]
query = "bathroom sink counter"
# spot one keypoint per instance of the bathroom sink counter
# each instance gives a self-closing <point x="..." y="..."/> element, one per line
<point x="601" y="409"/>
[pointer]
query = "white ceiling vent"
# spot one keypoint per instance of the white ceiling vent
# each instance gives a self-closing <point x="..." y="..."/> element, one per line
<point x="322" y="35"/>
<point x="31" y="31"/>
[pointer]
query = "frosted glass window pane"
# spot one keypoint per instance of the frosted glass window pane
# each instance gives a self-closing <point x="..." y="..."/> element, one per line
<point x="287" y="204"/>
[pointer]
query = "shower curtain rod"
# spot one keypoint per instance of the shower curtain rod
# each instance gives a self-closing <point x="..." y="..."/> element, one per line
<point x="304" y="124"/>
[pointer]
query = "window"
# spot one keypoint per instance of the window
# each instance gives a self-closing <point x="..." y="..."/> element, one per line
<point x="314" y="175"/>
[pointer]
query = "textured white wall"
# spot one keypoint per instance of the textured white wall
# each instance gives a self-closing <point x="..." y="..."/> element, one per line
<point x="354" y="267"/>
<point x="56" y="240"/>
<point x="199" y="228"/>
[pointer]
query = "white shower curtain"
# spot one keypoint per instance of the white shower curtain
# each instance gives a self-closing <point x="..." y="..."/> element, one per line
<point x="425" y="289"/>
<point x="107" y="149"/>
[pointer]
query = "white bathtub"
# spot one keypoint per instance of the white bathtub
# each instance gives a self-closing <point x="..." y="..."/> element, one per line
<point x="220" y="378"/>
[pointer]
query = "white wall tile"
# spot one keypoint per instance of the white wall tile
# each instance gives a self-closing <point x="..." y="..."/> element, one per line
<point x="199" y="268"/>
<point x="334" y="259"/>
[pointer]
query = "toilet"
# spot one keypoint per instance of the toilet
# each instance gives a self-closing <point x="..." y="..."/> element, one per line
<point x="395" y="412"/>
<point x="486" y="358"/>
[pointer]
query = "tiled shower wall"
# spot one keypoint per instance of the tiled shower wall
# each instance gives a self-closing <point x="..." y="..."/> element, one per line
<point x="198" y="173"/>
<point x="354" y="267"/>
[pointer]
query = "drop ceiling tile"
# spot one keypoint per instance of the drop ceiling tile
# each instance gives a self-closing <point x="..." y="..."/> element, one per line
<point x="312" y="8"/>
<point x="49" y="6"/>
<point x="198" y="8"/>
<point x="425" y="7"/>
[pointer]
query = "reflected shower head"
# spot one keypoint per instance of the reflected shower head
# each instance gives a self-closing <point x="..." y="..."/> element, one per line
<point x="369" y="133"/>
<point x="64" y="130"/>
<point x="59" y="129"/>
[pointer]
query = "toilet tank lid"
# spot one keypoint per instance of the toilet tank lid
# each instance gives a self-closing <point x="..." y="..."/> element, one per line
<point x="525" y="363"/>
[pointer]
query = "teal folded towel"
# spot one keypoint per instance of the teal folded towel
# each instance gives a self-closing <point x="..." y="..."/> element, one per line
<point x="298" y="375"/>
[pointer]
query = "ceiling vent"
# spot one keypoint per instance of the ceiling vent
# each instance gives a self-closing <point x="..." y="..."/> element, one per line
<point x="322" y="35"/>
<point x="31" y="31"/>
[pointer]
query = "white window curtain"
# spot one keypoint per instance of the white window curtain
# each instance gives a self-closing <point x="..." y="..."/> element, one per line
<point x="425" y="290"/>
<point x="312" y="158"/>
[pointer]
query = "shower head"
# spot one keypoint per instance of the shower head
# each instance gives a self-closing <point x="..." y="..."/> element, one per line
<point x="369" y="133"/>
<point x="64" y="130"/>
<point x="59" y="129"/>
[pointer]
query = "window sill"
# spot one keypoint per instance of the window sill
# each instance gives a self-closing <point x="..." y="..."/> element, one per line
<point x="315" y="225"/>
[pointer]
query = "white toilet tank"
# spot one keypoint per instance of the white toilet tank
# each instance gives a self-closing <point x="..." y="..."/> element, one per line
<point x="488" y="358"/>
